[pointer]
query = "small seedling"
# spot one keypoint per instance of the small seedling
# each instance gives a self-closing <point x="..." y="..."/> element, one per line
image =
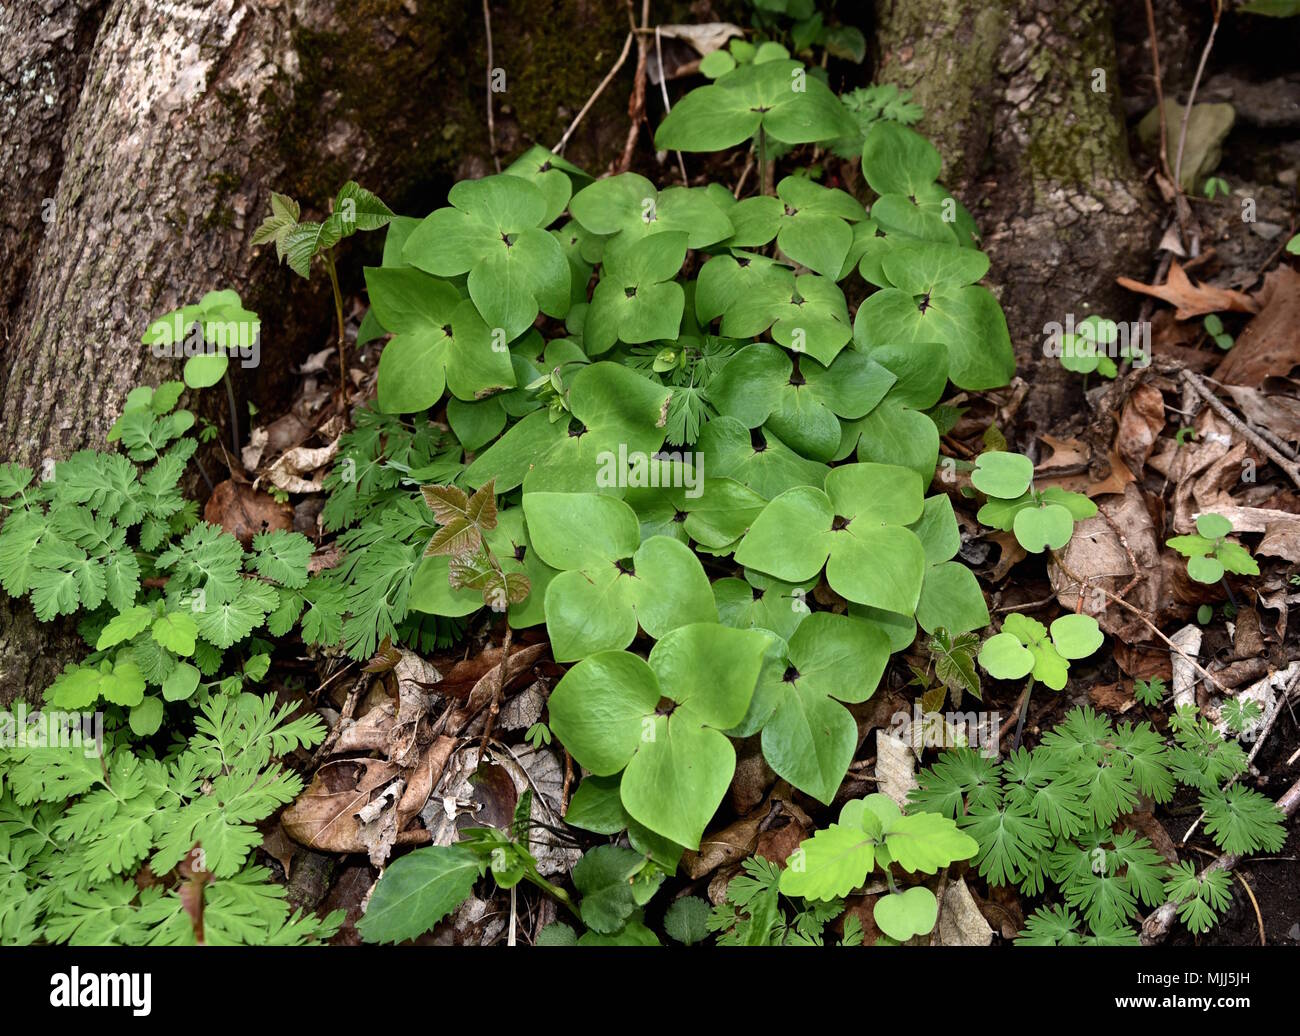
<point x="1024" y="648"/>
<point x="1209" y="553"/>
<point x="873" y="832"/>
<point x="1215" y="186"/>
<point x="1041" y="520"/>
<point x="1214" y="328"/>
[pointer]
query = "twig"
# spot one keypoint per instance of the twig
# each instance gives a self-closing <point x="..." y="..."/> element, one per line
<point x="1191" y="97"/>
<point x="1159" y="921"/>
<point x="663" y="88"/>
<point x="349" y="710"/>
<point x="568" y="782"/>
<point x="497" y="690"/>
<point x="609" y="77"/>
<point x="1132" y="559"/>
<point x="1084" y="584"/>
<point x="492" y="128"/>
<point x="636" y="106"/>
<point x="1291" y="468"/>
<point x="1160" y="92"/>
<point x="1259" y="918"/>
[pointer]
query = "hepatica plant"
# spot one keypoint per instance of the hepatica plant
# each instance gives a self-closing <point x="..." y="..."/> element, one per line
<point x="687" y="439"/>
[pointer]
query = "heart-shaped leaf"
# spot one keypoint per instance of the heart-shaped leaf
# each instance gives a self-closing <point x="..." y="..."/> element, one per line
<point x="492" y="230"/>
<point x="779" y="97"/>
<point x="905" y="915"/>
<point x="678" y="764"/>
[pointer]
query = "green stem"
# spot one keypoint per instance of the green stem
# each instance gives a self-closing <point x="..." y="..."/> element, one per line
<point x="762" y="159"/>
<point x="1024" y="711"/>
<point x="1223" y="581"/>
<point x="338" y="313"/>
<point x="555" y="891"/>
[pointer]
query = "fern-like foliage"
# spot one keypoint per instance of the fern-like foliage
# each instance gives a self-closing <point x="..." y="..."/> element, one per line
<point x="1047" y="818"/>
<point x="90" y="845"/>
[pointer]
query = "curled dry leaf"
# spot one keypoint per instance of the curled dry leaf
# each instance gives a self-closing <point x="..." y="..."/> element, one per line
<point x="1140" y="422"/>
<point x="732" y="844"/>
<point x="470" y="795"/>
<point x="1188" y="641"/>
<point x="289" y="468"/>
<point x="895" y="767"/>
<point x="705" y="37"/>
<point x="961" y="923"/>
<point x="1268" y="346"/>
<point x="324" y="816"/>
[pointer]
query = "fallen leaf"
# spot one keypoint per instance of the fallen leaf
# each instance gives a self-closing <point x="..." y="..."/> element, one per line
<point x="732" y="844"/>
<point x="961" y="922"/>
<point x="1268" y="346"/>
<point x="1096" y="555"/>
<point x="705" y="37"/>
<point x="1192" y="300"/>
<point x="895" y="767"/>
<point x="1012" y="552"/>
<point x="1141" y="420"/>
<point x="244" y="511"/>
<point x="1188" y="641"/>
<point x="1281" y="539"/>
<point x="289" y="468"/>
<point x="324" y="817"/>
<point x="277" y="845"/>
<point x="1111" y="696"/>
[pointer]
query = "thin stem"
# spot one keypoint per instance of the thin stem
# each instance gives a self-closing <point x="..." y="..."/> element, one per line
<point x="553" y="890"/>
<point x="1024" y="711"/>
<point x="234" y="411"/>
<point x="338" y="313"/>
<point x="1223" y="580"/>
<point x="762" y="159"/>
<point x="1191" y="97"/>
<point x="491" y="121"/>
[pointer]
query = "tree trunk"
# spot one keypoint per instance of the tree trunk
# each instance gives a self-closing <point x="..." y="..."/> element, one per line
<point x="1022" y="99"/>
<point x="169" y="124"/>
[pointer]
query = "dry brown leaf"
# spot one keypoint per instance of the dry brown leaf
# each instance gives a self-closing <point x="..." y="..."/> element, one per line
<point x="1110" y="696"/>
<point x="705" y="37"/>
<point x="1192" y="300"/>
<point x="1096" y="555"/>
<point x="324" y="817"/>
<point x="1276" y="406"/>
<point x="1268" y="346"/>
<point x="732" y="844"/>
<point x="1281" y="539"/>
<point x="961" y="922"/>
<point x="895" y="767"/>
<point x="1012" y="552"/>
<point x="244" y="511"/>
<point x="289" y="468"/>
<point x="1119" y="477"/>
<point x="1141" y="420"/>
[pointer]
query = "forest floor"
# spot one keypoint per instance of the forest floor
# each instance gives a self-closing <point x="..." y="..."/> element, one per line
<point x="1146" y="446"/>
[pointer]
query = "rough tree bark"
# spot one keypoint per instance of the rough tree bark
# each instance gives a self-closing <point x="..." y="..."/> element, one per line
<point x="1022" y="98"/>
<point x="167" y="124"/>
